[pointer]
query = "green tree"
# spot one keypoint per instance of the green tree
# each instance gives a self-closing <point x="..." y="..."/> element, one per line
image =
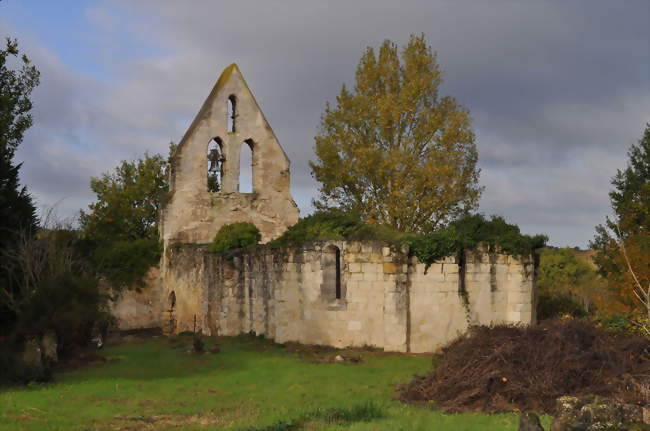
<point x="561" y="273"/>
<point x="393" y="150"/>
<point x="122" y="225"/>
<point x="623" y="242"/>
<point x="128" y="200"/>
<point x="17" y="210"/>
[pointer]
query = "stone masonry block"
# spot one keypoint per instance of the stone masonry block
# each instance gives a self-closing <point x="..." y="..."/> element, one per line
<point x="354" y="247"/>
<point x="391" y="268"/>
<point x="369" y="276"/>
<point x="354" y="325"/>
<point x="450" y="268"/>
<point x="361" y="257"/>
<point x="370" y="267"/>
<point x="356" y="276"/>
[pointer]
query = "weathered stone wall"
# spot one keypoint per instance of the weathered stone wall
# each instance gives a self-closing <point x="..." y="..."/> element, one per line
<point x="488" y="288"/>
<point x="143" y="308"/>
<point x="384" y="297"/>
<point x="193" y="214"/>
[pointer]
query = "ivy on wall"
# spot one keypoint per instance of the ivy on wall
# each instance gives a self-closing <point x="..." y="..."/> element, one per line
<point x="463" y="234"/>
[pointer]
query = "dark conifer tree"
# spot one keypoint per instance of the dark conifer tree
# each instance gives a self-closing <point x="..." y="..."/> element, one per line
<point x="17" y="211"/>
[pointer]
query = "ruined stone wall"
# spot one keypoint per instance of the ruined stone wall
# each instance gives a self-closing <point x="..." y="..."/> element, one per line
<point x="187" y="299"/>
<point x="384" y="297"/>
<point x="193" y="214"/>
<point x="141" y="308"/>
<point x="449" y="296"/>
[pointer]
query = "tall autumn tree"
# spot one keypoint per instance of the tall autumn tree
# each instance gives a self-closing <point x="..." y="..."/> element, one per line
<point x="623" y="242"/>
<point x="392" y="149"/>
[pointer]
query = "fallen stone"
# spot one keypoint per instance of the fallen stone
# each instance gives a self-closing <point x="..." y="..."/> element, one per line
<point x="593" y="413"/>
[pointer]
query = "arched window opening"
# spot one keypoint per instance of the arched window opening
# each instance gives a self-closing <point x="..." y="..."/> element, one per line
<point x="172" y="301"/>
<point x="232" y="113"/>
<point x="331" y="265"/>
<point x="246" y="167"/>
<point x="215" y="165"/>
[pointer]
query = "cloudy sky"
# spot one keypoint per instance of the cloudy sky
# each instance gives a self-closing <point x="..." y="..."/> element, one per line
<point x="558" y="90"/>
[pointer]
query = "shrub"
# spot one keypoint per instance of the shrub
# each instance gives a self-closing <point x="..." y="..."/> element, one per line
<point x="334" y="224"/>
<point x="235" y="235"/>
<point x="624" y="322"/>
<point x="71" y="305"/>
<point x="53" y="288"/>
<point x="550" y="305"/>
<point x="13" y="370"/>
<point x="125" y="263"/>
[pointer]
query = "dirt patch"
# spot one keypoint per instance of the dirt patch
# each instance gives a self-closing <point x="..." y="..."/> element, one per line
<point x="28" y="414"/>
<point x="154" y="422"/>
<point x="505" y="368"/>
<point x="132" y="336"/>
<point x="315" y="353"/>
<point x="79" y="359"/>
<point x="141" y="333"/>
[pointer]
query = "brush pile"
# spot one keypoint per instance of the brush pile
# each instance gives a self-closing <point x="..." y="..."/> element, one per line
<point x="506" y="368"/>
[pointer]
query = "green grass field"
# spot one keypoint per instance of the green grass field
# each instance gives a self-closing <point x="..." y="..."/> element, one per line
<point x="252" y="384"/>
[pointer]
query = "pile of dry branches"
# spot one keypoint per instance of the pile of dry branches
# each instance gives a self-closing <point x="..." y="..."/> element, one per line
<point x="505" y="368"/>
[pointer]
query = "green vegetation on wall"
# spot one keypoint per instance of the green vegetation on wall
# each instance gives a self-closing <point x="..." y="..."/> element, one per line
<point x="468" y="232"/>
<point x="464" y="234"/>
<point x="334" y="225"/>
<point x="235" y="235"/>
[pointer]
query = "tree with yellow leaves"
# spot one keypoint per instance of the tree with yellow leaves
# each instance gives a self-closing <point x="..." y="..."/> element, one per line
<point x="393" y="150"/>
<point x="623" y="243"/>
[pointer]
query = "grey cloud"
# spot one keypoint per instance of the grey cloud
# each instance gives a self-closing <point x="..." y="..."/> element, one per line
<point x="558" y="90"/>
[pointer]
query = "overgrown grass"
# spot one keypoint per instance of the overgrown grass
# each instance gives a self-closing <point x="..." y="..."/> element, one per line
<point x="251" y="384"/>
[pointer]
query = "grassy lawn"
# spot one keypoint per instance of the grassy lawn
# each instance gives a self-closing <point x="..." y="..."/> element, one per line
<point x="251" y="384"/>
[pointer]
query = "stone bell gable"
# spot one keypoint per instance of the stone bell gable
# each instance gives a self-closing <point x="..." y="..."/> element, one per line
<point x="205" y="177"/>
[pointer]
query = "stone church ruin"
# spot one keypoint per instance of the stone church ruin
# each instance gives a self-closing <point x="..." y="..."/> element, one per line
<point x="336" y="293"/>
